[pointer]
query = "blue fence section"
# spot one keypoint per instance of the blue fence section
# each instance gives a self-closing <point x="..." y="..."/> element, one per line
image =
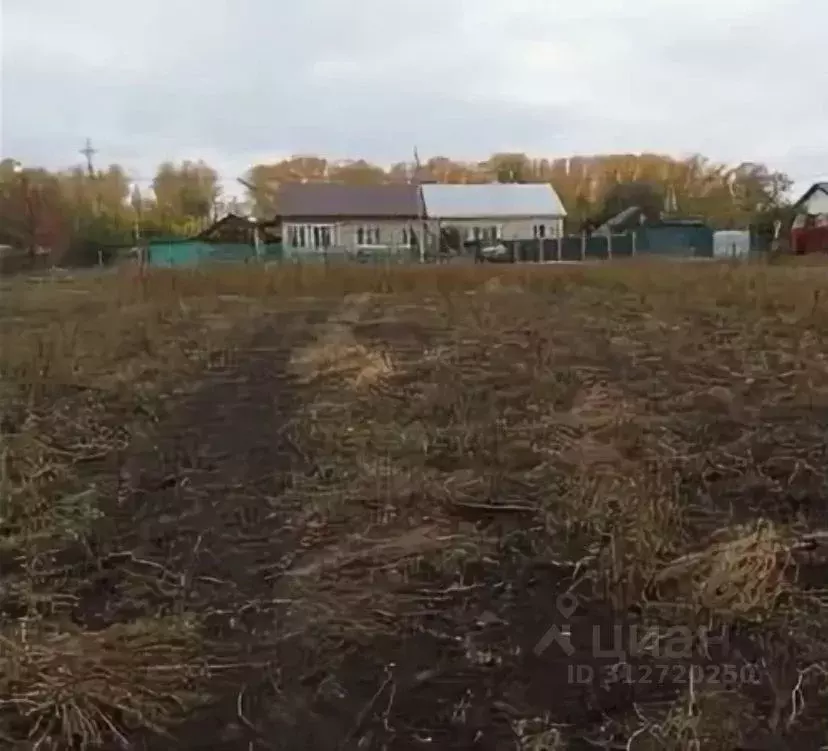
<point x="573" y="248"/>
<point x="680" y="241"/>
<point x="670" y="241"/>
<point x="188" y="253"/>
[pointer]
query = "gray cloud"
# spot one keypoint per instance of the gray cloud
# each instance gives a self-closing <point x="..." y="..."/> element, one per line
<point x="239" y="82"/>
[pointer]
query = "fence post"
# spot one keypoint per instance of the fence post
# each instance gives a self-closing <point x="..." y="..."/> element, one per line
<point x="609" y="246"/>
<point x="583" y="246"/>
<point x="542" y="250"/>
<point x="632" y="249"/>
<point x="558" y="251"/>
<point x="257" y="243"/>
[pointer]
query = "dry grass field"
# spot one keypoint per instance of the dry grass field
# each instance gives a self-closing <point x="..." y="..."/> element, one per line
<point x="316" y="508"/>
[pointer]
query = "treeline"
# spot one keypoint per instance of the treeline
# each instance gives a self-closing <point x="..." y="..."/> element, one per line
<point x="590" y="187"/>
<point x="75" y="215"/>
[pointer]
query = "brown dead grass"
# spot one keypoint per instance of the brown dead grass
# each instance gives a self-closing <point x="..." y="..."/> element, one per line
<point x="651" y="429"/>
<point x="87" y="688"/>
<point x="601" y="404"/>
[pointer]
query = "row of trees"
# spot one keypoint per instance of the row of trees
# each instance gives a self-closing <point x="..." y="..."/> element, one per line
<point x="76" y="212"/>
<point x="728" y="196"/>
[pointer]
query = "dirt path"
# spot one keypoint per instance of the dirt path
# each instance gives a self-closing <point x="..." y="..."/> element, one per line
<point x="208" y="532"/>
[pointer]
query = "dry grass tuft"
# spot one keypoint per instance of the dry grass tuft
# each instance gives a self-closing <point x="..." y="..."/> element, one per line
<point x="336" y="352"/>
<point x="703" y="719"/>
<point x="742" y="576"/>
<point x="83" y="689"/>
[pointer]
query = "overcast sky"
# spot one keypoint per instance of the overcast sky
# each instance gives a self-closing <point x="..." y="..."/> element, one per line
<point x="244" y="81"/>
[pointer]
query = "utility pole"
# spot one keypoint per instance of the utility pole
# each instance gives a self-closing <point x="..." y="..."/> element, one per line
<point x="31" y="218"/>
<point x="424" y="216"/>
<point x="89" y="152"/>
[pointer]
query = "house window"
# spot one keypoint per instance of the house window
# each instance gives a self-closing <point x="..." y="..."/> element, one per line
<point x="322" y="236"/>
<point x="539" y="231"/>
<point x="311" y="236"/>
<point x="368" y="235"/>
<point x="409" y="237"/>
<point x="491" y="234"/>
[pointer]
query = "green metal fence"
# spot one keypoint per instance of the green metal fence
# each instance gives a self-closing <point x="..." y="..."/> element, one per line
<point x="668" y="241"/>
<point x="189" y="253"/>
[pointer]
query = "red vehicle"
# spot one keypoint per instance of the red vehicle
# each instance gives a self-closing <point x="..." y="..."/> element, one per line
<point x="809" y="233"/>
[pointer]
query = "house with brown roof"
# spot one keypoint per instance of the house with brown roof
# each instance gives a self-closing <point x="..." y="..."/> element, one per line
<point x="334" y="217"/>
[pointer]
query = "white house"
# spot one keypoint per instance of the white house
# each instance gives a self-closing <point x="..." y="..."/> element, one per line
<point x="491" y="212"/>
<point x="809" y="233"/>
<point x="814" y="202"/>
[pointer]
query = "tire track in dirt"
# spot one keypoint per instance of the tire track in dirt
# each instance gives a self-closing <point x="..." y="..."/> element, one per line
<point x="207" y="532"/>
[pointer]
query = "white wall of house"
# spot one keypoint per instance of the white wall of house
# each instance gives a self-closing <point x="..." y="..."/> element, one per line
<point x="349" y="235"/>
<point x="319" y="235"/>
<point x="816" y="204"/>
<point x="504" y="228"/>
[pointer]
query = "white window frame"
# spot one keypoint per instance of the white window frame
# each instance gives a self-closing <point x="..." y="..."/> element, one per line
<point x="311" y="236"/>
<point x="367" y="236"/>
<point x="492" y="233"/>
<point x="487" y="233"/>
<point x="539" y="232"/>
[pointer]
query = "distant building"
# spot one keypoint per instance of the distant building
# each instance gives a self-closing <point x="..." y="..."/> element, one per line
<point x="408" y="217"/>
<point x="814" y="202"/>
<point x="319" y="217"/>
<point x="231" y="239"/>
<point x="496" y="212"/>
<point x="689" y="237"/>
<point x="626" y="220"/>
<point x="235" y="228"/>
<point x="809" y="232"/>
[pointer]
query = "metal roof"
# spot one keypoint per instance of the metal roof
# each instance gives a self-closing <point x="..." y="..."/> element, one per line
<point x="621" y="219"/>
<point x="337" y="200"/>
<point x="492" y="200"/>
<point x="815" y="187"/>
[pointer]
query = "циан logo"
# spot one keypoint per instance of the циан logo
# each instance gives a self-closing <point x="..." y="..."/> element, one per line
<point x="624" y="642"/>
